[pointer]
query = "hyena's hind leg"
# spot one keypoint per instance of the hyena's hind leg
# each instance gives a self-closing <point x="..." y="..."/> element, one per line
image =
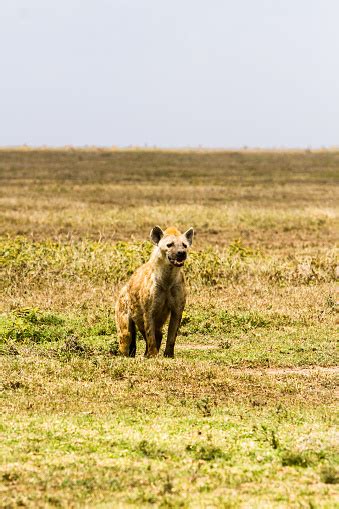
<point x="143" y="333"/>
<point x="125" y="327"/>
<point x="158" y="338"/>
<point x="133" y="343"/>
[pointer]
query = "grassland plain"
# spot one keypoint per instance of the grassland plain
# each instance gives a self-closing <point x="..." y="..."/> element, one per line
<point x="245" y="415"/>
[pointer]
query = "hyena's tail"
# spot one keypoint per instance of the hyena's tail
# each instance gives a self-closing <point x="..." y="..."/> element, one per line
<point x="125" y="326"/>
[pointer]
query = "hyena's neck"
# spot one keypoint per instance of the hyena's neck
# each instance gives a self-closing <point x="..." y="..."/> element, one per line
<point x="165" y="274"/>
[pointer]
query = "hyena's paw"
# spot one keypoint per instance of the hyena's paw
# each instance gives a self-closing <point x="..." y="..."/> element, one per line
<point x="149" y="354"/>
<point x="169" y="353"/>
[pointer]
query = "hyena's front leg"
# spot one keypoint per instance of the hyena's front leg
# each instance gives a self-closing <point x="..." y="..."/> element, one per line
<point x="173" y="328"/>
<point x="151" y="344"/>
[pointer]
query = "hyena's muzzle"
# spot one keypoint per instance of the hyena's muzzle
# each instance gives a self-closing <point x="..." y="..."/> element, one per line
<point x="177" y="258"/>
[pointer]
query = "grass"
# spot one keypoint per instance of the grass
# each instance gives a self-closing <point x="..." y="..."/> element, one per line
<point x="245" y="415"/>
<point x="93" y="429"/>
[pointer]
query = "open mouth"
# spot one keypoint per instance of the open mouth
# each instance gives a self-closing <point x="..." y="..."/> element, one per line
<point x="177" y="263"/>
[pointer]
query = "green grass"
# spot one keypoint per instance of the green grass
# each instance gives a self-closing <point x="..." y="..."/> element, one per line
<point x="245" y="415"/>
<point x="102" y="430"/>
<point x="216" y="458"/>
<point x="235" y="338"/>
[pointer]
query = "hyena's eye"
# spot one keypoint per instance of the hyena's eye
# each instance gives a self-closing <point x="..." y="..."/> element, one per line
<point x="171" y="244"/>
<point x="184" y="245"/>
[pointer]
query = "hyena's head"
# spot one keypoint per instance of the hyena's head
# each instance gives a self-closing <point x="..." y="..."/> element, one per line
<point x="172" y="245"/>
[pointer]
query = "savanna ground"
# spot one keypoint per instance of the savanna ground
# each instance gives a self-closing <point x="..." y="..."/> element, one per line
<point x="245" y="415"/>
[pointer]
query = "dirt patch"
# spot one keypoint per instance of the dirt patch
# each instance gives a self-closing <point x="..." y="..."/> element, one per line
<point x="311" y="370"/>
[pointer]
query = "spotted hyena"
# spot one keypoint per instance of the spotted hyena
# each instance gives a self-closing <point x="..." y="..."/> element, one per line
<point x="155" y="292"/>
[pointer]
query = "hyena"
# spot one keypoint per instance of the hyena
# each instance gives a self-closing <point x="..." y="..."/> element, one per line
<point x="155" y="292"/>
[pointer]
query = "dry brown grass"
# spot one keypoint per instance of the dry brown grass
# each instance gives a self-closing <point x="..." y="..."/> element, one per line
<point x="245" y="415"/>
<point x="269" y="199"/>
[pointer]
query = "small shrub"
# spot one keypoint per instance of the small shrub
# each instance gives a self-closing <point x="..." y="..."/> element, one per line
<point x="31" y="325"/>
<point x="329" y="474"/>
<point x="237" y="249"/>
<point x="204" y="268"/>
<point x="8" y="349"/>
<point x="300" y="459"/>
<point x="150" y="450"/>
<point x="206" y="452"/>
<point x="73" y="346"/>
<point x="225" y="344"/>
<point x="271" y="437"/>
<point x="205" y="407"/>
<point x="113" y="348"/>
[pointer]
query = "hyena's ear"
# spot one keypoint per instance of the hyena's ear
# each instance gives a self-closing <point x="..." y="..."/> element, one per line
<point x="189" y="235"/>
<point x="156" y="234"/>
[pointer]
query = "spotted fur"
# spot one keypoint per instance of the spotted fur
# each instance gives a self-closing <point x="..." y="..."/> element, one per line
<point x="154" y="293"/>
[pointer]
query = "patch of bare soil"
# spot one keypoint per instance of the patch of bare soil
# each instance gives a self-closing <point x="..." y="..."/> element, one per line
<point x="311" y="370"/>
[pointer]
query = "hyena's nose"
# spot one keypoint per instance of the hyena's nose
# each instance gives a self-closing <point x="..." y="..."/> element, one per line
<point x="181" y="255"/>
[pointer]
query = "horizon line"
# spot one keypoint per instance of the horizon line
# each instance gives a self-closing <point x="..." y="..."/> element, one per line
<point x="155" y="148"/>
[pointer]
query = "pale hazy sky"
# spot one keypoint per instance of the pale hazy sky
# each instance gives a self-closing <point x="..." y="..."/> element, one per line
<point x="216" y="73"/>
